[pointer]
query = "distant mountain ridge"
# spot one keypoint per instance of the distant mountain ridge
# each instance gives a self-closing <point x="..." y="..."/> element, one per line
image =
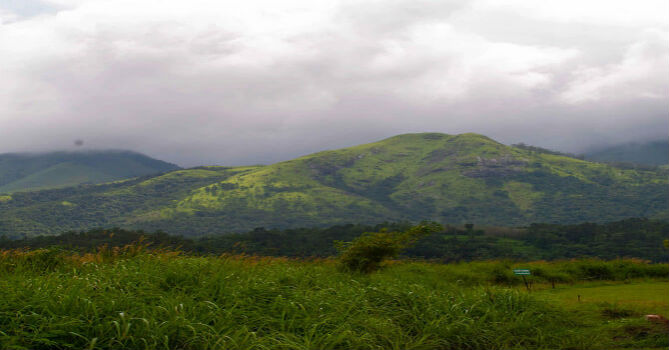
<point x="33" y="171"/>
<point x="430" y="176"/>
<point x="647" y="153"/>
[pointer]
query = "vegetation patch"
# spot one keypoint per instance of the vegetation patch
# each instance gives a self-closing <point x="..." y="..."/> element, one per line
<point x="130" y="297"/>
<point x="522" y="194"/>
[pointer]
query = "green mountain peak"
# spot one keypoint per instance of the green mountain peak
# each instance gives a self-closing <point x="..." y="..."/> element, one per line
<point x="424" y="176"/>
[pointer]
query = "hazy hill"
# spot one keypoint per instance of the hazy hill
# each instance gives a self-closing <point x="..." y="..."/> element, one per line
<point x="448" y="178"/>
<point x="27" y="171"/>
<point x="648" y="153"/>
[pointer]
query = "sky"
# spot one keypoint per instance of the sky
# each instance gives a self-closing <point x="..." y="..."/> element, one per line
<point x="258" y="81"/>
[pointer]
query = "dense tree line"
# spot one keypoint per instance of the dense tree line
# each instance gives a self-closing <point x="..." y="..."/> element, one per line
<point x="635" y="238"/>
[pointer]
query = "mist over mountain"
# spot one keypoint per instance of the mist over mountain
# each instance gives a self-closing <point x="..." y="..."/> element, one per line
<point x="257" y="81"/>
<point x="303" y="173"/>
<point x="654" y="152"/>
<point x="32" y="171"/>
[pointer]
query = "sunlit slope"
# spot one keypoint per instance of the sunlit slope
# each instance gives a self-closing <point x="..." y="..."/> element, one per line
<point x="455" y="179"/>
<point x="129" y="203"/>
<point x="448" y="178"/>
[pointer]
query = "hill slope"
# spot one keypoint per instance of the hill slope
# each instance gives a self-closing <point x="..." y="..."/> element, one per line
<point x="25" y="172"/>
<point x="649" y="153"/>
<point x="448" y="178"/>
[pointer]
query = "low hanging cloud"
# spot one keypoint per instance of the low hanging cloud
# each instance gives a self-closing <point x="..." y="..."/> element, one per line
<point x="228" y="82"/>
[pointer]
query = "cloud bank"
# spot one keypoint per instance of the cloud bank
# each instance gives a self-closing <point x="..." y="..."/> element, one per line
<point x="229" y="82"/>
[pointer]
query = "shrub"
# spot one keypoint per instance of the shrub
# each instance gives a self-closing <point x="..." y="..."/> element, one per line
<point x="551" y="275"/>
<point x="366" y="253"/>
<point x="501" y="274"/>
<point x="43" y="260"/>
<point x="594" y="269"/>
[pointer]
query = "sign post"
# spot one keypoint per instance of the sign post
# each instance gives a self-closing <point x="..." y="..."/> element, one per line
<point x="523" y="273"/>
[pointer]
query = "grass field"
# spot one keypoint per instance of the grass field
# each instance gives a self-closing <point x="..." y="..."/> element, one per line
<point x="133" y="299"/>
<point x="649" y="297"/>
<point x="618" y="309"/>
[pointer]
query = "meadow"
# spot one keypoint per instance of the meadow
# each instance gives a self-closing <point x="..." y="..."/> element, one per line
<point x="133" y="298"/>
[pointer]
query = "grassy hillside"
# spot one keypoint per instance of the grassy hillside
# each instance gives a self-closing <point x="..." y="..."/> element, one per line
<point x="446" y="178"/>
<point x="131" y="299"/>
<point x="649" y="153"/>
<point x="25" y="172"/>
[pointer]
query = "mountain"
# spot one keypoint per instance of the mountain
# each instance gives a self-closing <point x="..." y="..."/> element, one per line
<point x="648" y="153"/>
<point x="26" y="171"/>
<point x="448" y="178"/>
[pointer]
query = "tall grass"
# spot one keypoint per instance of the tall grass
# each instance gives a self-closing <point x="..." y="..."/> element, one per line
<point x="130" y="298"/>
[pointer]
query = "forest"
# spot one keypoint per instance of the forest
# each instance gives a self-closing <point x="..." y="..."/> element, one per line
<point x="631" y="238"/>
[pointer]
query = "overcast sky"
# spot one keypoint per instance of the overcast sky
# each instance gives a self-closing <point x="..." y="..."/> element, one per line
<point x="244" y="82"/>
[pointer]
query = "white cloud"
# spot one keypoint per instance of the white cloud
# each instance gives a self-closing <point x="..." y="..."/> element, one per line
<point x="7" y="16"/>
<point x="599" y="12"/>
<point x="635" y="77"/>
<point x="241" y="82"/>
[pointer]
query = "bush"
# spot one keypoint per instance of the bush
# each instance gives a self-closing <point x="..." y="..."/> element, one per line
<point x="366" y="253"/>
<point x="501" y="274"/>
<point x="43" y="260"/>
<point x="551" y="275"/>
<point x="594" y="270"/>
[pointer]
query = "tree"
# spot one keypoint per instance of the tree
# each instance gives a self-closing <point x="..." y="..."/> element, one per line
<point x="366" y="253"/>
